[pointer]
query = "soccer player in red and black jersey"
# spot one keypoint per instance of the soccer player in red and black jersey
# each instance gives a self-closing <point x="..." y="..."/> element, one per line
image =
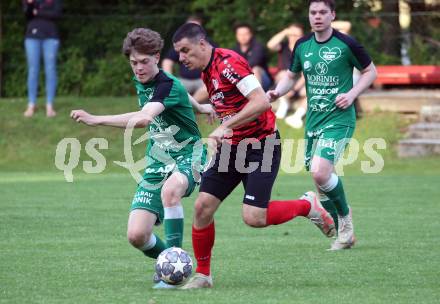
<point x="248" y="146"/>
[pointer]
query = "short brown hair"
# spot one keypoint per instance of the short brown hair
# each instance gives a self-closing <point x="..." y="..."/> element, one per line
<point x="142" y="40"/>
<point x="330" y="3"/>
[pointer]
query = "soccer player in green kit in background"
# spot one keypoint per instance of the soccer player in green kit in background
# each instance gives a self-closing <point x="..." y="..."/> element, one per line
<point x="174" y="145"/>
<point x="327" y="58"/>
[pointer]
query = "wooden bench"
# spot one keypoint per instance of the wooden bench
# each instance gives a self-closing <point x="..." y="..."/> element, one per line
<point x="400" y="75"/>
<point x="407" y="75"/>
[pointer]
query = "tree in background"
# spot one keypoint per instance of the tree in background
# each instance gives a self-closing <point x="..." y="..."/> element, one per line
<point x="91" y="64"/>
<point x="391" y="41"/>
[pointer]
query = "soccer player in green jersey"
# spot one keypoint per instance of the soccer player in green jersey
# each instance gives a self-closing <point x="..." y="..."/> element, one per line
<point x="327" y="57"/>
<point x="174" y="148"/>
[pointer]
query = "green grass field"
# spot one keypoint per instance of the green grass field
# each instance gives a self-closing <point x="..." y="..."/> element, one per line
<point x="65" y="242"/>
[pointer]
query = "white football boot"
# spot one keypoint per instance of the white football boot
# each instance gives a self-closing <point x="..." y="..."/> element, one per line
<point x="346" y="238"/>
<point x="198" y="280"/>
<point x="319" y="216"/>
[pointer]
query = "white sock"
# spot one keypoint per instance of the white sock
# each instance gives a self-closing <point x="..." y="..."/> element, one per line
<point x="150" y="244"/>
<point x="175" y="212"/>
<point x="330" y="184"/>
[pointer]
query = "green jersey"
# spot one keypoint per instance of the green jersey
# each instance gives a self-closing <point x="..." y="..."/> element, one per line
<point x="173" y="133"/>
<point x="328" y="70"/>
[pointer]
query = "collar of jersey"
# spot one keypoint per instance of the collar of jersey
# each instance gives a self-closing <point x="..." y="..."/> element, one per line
<point x="210" y="60"/>
<point x="325" y="41"/>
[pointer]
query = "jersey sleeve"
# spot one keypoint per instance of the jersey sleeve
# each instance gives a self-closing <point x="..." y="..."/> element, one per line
<point x="360" y="59"/>
<point x="295" y="62"/>
<point x="234" y="68"/>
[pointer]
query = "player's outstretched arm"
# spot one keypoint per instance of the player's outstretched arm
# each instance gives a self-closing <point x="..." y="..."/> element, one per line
<point x="203" y="109"/>
<point x="285" y="85"/>
<point x="139" y="119"/>
<point x="368" y="75"/>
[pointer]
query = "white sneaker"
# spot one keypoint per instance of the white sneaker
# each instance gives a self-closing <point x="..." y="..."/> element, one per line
<point x="319" y="216"/>
<point x="199" y="280"/>
<point x="159" y="284"/>
<point x="294" y="121"/>
<point x="283" y="107"/>
<point x="346" y="238"/>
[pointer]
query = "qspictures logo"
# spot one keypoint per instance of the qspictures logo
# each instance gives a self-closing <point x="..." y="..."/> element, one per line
<point x="163" y="157"/>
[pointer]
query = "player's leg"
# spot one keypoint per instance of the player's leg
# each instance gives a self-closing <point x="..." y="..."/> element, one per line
<point x="172" y="192"/>
<point x="203" y="237"/>
<point x="258" y="211"/>
<point x="214" y="188"/>
<point x="140" y="233"/>
<point x="146" y="211"/>
<point x="329" y="147"/>
<point x="328" y="205"/>
<point x="311" y="140"/>
<point x="331" y="185"/>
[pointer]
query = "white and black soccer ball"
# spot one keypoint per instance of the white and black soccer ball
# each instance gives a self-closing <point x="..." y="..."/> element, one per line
<point x="174" y="265"/>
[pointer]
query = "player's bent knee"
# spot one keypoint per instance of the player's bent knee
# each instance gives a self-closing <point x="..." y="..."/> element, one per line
<point x="254" y="220"/>
<point x="320" y="177"/>
<point x="203" y="210"/>
<point x="137" y="238"/>
<point x="170" y="197"/>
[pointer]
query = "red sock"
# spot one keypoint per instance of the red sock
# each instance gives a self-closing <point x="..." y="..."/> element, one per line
<point x="279" y="212"/>
<point x="203" y="241"/>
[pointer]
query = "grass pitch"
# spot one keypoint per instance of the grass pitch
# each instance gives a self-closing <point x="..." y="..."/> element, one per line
<point x="65" y="243"/>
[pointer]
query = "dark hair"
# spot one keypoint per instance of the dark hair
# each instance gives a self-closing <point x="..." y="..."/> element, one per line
<point x="195" y="19"/>
<point x="191" y="31"/>
<point x="142" y="40"/>
<point x="242" y="24"/>
<point x="330" y="3"/>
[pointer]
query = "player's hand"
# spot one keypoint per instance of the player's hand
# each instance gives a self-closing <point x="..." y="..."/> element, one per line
<point x="344" y="100"/>
<point x="84" y="117"/>
<point x="272" y="95"/>
<point x="209" y="111"/>
<point x="215" y="139"/>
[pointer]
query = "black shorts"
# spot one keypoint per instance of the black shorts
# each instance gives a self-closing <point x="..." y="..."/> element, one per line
<point x="256" y="167"/>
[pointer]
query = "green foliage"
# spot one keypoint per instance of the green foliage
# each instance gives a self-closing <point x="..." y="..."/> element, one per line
<point x="112" y="77"/>
<point x="267" y="17"/>
<point x="426" y="49"/>
<point x="92" y="32"/>
<point x="71" y="69"/>
<point x="90" y="61"/>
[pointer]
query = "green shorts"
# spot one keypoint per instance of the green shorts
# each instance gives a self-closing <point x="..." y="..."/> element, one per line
<point x="328" y="142"/>
<point x="148" y="192"/>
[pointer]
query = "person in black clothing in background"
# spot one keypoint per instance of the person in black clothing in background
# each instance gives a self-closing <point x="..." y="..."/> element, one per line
<point x="189" y="78"/>
<point x="254" y="52"/>
<point x="41" y="37"/>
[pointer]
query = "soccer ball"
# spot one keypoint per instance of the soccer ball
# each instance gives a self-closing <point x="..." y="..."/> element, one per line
<point x="174" y="265"/>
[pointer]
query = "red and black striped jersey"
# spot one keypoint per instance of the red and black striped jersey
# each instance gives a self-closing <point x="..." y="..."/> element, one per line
<point x="224" y="71"/>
